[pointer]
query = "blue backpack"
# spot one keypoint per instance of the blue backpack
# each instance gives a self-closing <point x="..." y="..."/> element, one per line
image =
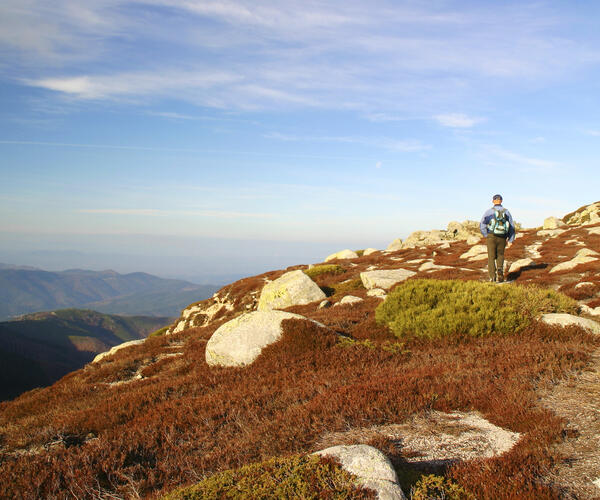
<point x="499" y="224"/>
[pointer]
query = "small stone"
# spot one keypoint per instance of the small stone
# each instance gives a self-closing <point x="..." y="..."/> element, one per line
<point x="517" y="265"/>
<point x="349" y="299"/>
<point x="324" y="304"/>
<point x="343" y="254"/>
<point x="377" y="292"/>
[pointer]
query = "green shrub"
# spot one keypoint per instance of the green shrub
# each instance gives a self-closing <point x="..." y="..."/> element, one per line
<point x="160" y="332"/>
<point x="432" y="487"/>
<point x="299" y="476"/>
<point x="436" y="308"/>
<point x="324" y="269"/>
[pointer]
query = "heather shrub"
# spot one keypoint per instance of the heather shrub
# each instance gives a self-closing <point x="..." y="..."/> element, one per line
<point x="306" y="477"/>
<point x="432" y="487"/>
<point x="315" y="271"/>
<point x="435" y="308"/>
<point x="159" y="332"/>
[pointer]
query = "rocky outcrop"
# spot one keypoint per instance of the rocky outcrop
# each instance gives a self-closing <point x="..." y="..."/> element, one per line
<point x="342" y="254"/>
<point x="467" y="230"/>
<point x="240" y="341"/>
<point x="292" y="289"/>
<point x="116" y="348"/>
<point x="202" y="313"/>
<point x="564" y="319"/>
<point x="385" y="278"/>
<point x="370" y="466"/>
<point x="583" y="256"/>
<point x="588" y="214"/>
<point x="395" y="245"/>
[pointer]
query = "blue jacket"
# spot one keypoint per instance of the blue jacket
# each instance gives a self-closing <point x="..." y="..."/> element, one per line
<point x="489" y="215"/>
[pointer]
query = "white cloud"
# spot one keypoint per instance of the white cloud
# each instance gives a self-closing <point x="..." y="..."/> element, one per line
<point x="457" y="120"/>
<point x="221" y="214"/>
<point x="595" y="133"/>
<point x="519" y="159"/>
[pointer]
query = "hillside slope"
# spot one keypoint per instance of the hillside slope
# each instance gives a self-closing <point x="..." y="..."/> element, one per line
<point x="30" y="290"/>
<point x="38" y="349"/>
<point x="156" y="416"/>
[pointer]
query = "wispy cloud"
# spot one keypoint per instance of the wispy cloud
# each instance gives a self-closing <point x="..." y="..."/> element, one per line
<point x="383" y="59"/>
<point x="458" y="120"/>
<point x="401" y="145"/>
<point x="519" y="159"/>
<point x="150" y="212"/>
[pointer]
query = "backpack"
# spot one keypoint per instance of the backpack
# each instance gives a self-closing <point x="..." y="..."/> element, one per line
<point x="499" y="224"/>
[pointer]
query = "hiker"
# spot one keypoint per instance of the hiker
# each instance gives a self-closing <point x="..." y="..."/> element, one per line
<point x="497" y="226"/>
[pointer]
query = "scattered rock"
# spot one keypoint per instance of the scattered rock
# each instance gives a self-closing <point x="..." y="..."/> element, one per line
<point x="550" y="232"/>
<point x="534" y="250"/>
<point x="583" y="256"/>
<point x="369" y="251"/>
<point x="349" y="299"/>
<point x="584" y="284"/>
<point x="342" y="254"/>
<point x="430" y="266"/>
<point x="473" y="240"/>
<point x="239" y="341"/>
<point x="371" y="466"/>
<point x="594" y="230"/>
<point x="384" y="278"/>
<point x="517" y="265"/>
<point x="564" y="319"/>
<point x="324" y="304"/>
<point x="592" y="311"/>
<point x="553" y="223"/>
<point x="574" y="242"/>
<point x="377" y="292"/>
<point x="202" y="314"/>
<point x="475" y="251"/>
<point x="116" y="348"/>
<point x="292" y="289"/>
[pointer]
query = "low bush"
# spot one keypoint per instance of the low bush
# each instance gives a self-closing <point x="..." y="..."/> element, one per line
<point x="324" y="269"/>
<point x="435" y="308"/>
<point x="432" y="487"/>
<point x="306" y="477"/>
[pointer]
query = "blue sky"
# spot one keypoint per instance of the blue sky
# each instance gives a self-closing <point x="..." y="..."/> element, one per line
<point x="203" y="138"/>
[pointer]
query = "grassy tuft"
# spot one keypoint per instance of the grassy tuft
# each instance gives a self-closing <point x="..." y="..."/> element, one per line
<point x="324" y="269"/>
<point x="307" y="477"/>
<point x="437" y="308"/>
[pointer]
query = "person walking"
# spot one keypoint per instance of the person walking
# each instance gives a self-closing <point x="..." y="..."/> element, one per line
<point x="498" y="227"/>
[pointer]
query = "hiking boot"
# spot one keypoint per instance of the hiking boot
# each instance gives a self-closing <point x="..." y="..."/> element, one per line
<point x="500" y="277"/>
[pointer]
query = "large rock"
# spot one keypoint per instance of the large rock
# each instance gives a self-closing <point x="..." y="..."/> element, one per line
<point x="239" y="341"/>
<point x="116" y="348"/>
<point x="553" y="223"/>
<point x="292" y="289"/>
<point x="369" y="251"/>
<point x="384" y="278"/>
<point x="370" y="466"/>
<point x="342" y="254"/>
<point x="564" y="319"/>
<point x="394" y="245"/>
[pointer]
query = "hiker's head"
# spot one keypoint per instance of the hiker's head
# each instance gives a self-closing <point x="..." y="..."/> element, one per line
<point x="497" y="199"/>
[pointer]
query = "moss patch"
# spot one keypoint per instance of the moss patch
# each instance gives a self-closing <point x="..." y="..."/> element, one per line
<point x="432" y="487"/>
<point x="436" y="308"/>
<point x="299" y="476"/>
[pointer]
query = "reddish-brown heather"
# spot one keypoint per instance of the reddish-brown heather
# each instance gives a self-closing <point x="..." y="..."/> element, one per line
<point x="189" y="420"/>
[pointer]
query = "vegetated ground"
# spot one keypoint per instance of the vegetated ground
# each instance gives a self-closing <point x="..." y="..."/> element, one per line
<point x="155" y="417"/>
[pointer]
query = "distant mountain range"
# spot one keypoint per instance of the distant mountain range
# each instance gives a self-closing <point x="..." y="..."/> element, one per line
<point x="38" y="349"/>
<point x="24" y="290"/>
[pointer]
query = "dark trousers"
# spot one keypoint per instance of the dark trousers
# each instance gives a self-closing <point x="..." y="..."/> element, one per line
<point x="495" y="248"/>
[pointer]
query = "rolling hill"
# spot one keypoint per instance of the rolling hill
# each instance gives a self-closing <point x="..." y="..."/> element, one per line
<point x="26" y="290"/>
<point x="38" y="349"/>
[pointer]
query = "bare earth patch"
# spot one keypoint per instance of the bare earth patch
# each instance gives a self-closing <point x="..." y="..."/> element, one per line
<point x="437" y="438"/>
<point x="577" y="399"/>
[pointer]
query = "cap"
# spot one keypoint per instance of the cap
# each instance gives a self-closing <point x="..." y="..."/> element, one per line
<point x="497" y="197"/>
